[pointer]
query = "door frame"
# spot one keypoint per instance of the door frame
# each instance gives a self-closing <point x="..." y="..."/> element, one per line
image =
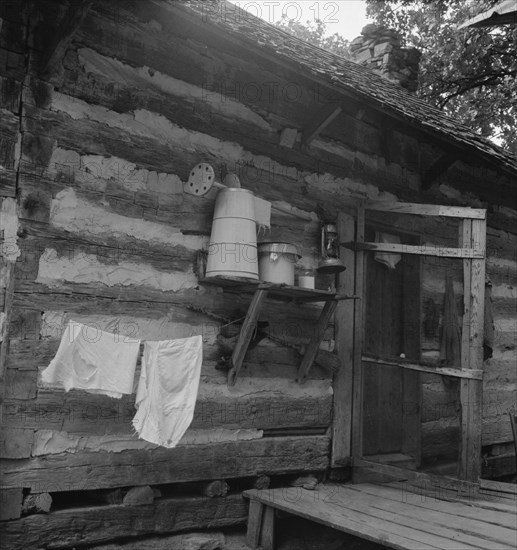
<point x="347" y="426"/>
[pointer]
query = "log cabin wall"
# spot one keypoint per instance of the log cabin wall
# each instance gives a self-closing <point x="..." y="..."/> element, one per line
<point x="98" y="147"/>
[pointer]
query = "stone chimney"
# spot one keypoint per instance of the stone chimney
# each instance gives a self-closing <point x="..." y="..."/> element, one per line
<point x="378" y="48"/>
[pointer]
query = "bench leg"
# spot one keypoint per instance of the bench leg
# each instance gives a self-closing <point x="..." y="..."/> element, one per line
<point x="268" y="529"/>
<point x="254" y="523"/>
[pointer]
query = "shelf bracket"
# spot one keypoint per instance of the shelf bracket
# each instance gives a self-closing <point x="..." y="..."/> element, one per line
<point x="317" y="337"/>
<point x="248" y="328"/>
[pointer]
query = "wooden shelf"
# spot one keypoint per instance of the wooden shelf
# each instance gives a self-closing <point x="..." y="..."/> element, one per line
<point x="260" y="291"/>
<point x="278" y="291"/>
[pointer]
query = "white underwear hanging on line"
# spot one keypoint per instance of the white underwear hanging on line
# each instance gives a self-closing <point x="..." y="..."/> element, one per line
<point x="93" y="360"/>
<point x="167" y="389"/>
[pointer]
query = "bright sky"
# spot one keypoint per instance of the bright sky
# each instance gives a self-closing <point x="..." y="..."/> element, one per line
<point x="346" y="17"/>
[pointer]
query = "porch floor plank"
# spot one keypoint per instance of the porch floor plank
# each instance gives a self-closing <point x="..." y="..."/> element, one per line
<point x="395" y="518"/>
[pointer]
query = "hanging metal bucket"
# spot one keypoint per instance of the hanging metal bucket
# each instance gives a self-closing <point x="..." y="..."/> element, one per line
<point x="232" y="251"/>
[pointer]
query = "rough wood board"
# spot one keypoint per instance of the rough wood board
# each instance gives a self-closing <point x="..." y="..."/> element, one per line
<point x="473" y="521"/>
<point x="93" y="525"/>
<point x="466" y="487"/>
<point x="342" y="408"/>
<point x="426" y="209"/>
<point x="411" y="383"/>
<point x="471" y="391"/>
<point x="91" y="470"/>
<point x="455" y="373"/>
<point x="380" y="519"/>
<point x="357" y="382"/>
<point x="255" y="515"/>
<point x="423" y="250"/>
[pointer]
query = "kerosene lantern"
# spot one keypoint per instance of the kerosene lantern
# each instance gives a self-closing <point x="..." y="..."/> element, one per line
<point x="329" y="262"/>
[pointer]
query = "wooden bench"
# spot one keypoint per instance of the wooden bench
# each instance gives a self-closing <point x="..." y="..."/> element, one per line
<point x="388" y="515"/>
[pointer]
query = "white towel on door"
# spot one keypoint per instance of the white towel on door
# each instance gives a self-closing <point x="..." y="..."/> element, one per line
<point x="93" y="360"/>
<point x="167" y="389"/>
<point x="390" y="259"/>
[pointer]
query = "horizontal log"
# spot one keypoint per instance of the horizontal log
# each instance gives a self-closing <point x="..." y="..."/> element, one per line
<point x="41" y="238"/>
<point x="101" y="470"/>
<point x="291" y="323"/>
<point x="177" y="210"/>
<point x="254" y="404"/>
<point x="427" y="209"/>
<point x="188" y="541"/>
<point x="98" y="524"/>
<point x="261" y="362"/>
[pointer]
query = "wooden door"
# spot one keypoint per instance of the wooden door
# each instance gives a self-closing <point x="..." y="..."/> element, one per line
<point x="391" y="330"/>
<point x="351" y="383"/>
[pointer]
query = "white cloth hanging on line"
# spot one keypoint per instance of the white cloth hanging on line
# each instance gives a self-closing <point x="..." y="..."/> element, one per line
<point x="167" y="389"/>
<point x="390" y="259"/>
<point x="93" y="360"/>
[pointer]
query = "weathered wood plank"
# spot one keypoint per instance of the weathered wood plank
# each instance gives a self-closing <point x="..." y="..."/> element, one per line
<point x="455" y="373"/>
<point x="97" y="524"/>
<point x="411" y="381"/>
<point x="267" y="535"/>
<point x="343" y="390"/>
<point x="411" y="476"/>
<point x="427" y="209"/>
<point x="357" y="382"/>
<point x="94" y="470"/>
<point x="254" y="523"/>
<point x="383" y="520"/>
<point x="444" y="252"/>
<point x="471" y="391"/>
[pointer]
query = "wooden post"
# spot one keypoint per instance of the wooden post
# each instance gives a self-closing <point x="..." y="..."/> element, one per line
<point x="411" y="386"/>
<point x="267" y="535"/>
<point x="344" y="330"/>
<point x="357" y="400"/>
<point x="254" y="523"/>
<point x="471" y="392"/>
